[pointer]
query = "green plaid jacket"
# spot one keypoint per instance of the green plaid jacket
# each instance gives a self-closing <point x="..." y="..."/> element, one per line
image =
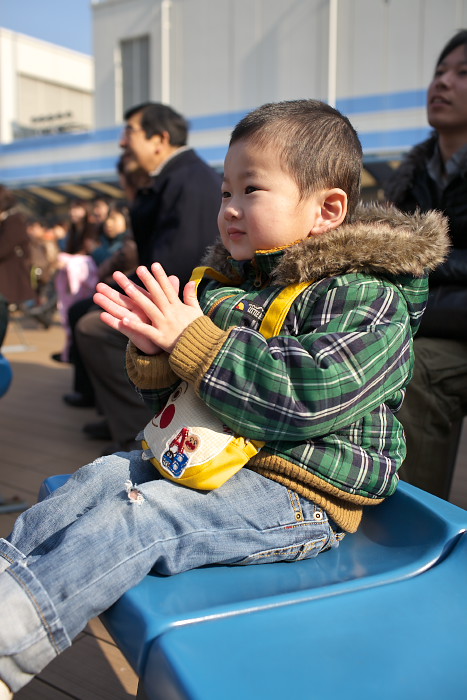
<point x="323" y="394"/>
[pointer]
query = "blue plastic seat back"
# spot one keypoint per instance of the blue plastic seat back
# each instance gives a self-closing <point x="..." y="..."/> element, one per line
<point x="6" y="375"/>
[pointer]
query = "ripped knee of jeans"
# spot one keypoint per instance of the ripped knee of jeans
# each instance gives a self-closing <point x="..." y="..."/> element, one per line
<point x="134" y="494"/>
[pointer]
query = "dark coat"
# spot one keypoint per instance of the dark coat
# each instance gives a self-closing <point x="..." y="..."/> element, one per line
<point x="15" y="258"/>
<point x="175" y="219"/>
<point x="410" y="188"/>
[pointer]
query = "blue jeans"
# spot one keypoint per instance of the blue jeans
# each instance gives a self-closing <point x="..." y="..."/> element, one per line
<point x="73" y="555"/>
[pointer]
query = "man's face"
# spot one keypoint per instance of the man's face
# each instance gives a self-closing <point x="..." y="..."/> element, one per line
<point x="447" y="93"/>
<point x="147" y="152"/>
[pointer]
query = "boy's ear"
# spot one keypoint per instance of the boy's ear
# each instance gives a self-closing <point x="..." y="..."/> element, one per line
<point x="332" y="210"/>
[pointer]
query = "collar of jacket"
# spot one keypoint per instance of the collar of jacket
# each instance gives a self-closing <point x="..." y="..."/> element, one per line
<point x="182" y="157"/>
<point x="163" y="165"/>
<point x="381" y="241"/>
<point x="414" y="162"/>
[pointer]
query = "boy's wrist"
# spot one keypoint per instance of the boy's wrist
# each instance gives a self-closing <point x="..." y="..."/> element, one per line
<point x="196" y="348"/>
<point x="149" y="371"/>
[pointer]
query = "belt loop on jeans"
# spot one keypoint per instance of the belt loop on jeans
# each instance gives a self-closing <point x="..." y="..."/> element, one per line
<point x="296" y="505"/>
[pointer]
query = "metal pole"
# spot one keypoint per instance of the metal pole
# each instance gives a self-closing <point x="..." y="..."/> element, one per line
<point x="165" y="51"/>
<point x="332" y="53"/>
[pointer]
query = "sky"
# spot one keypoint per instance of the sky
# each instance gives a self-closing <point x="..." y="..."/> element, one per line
<point x="63" y="22"/>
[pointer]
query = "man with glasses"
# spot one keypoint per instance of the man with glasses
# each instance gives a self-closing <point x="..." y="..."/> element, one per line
<point x="173" y="221"/>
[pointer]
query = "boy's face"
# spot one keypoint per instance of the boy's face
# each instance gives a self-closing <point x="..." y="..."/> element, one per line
<point x="261" y="207"/>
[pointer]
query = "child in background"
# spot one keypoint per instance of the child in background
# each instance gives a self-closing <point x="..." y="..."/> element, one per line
<point x="323" y="394"/>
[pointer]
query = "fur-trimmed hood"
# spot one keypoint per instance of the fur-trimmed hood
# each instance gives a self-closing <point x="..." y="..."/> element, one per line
<point x="381" y="241"/>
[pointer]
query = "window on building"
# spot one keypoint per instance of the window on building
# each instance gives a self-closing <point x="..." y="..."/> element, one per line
<point x="135" y="71"/>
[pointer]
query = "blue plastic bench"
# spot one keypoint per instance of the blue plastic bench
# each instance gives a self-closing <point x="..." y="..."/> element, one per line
<point x="405" y="640"/>
<point x="406" y="536"/>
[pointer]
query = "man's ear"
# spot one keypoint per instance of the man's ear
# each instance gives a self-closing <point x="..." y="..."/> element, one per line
<point x="332" y="210"/>
<point x="165" y="138"/>
<point x="161" y="141"/>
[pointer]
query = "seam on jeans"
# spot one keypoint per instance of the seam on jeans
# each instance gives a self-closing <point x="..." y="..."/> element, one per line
<point x="5" y="556"/>
<point x="293" y="526"/>
<point x="304" y="548"/>
<point x="38" y="608"/>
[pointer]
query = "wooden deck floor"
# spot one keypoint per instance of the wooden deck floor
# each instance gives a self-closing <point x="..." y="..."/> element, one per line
<point x="41" y="436"/>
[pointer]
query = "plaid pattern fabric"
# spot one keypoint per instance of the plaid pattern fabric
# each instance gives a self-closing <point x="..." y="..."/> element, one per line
<point x="323" y="393"/>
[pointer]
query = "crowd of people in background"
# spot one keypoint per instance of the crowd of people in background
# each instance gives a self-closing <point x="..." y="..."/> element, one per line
<point x="50" y="264"/>
<point x="47" y="265"/>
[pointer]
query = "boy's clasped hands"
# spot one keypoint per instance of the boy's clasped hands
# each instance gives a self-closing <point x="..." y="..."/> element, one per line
<point x="154" y="317"/>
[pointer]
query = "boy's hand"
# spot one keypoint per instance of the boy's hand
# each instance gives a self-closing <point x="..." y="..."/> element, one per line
<point x="118" y="306"/>
<point x="168" y="315"/>
<point x="152" y="319"/>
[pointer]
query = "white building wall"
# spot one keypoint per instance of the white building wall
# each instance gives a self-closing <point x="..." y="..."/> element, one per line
<point x="232" y="55"/>
<point x="53" y="71"/>
<point x="227" y="56"/>
<point x="387" y="51"/>
<point x="8" y="96"/>
<point x="113" y="21"/>
<point x="223" y="55"/>
<point x="53" y="63"/>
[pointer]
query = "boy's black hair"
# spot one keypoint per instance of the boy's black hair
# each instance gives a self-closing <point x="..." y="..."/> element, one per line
<point x="459" y="39"/>
<point x="157" y="118"/>
<point x="318" y="146"/>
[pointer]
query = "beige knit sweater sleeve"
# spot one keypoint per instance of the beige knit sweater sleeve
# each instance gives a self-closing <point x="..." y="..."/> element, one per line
<point x="192" y="356"/>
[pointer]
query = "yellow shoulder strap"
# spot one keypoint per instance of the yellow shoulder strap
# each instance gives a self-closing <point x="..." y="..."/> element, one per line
<point x="275" y="316"/>
<point x="204" y="271"/>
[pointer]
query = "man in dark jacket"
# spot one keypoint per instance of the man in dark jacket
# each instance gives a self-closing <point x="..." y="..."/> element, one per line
<point x="434" y="176"/>
<point x="173" y="221"/>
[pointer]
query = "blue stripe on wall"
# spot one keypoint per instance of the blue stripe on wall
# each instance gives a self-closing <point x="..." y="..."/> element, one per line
<point x="225" y="120"/>
<point x="62" y="141"/>
<point x="366" y="104"/>
<point x="393" y="140"/>
<point x="55" y="171"/>
<point x="373" y="142"/>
